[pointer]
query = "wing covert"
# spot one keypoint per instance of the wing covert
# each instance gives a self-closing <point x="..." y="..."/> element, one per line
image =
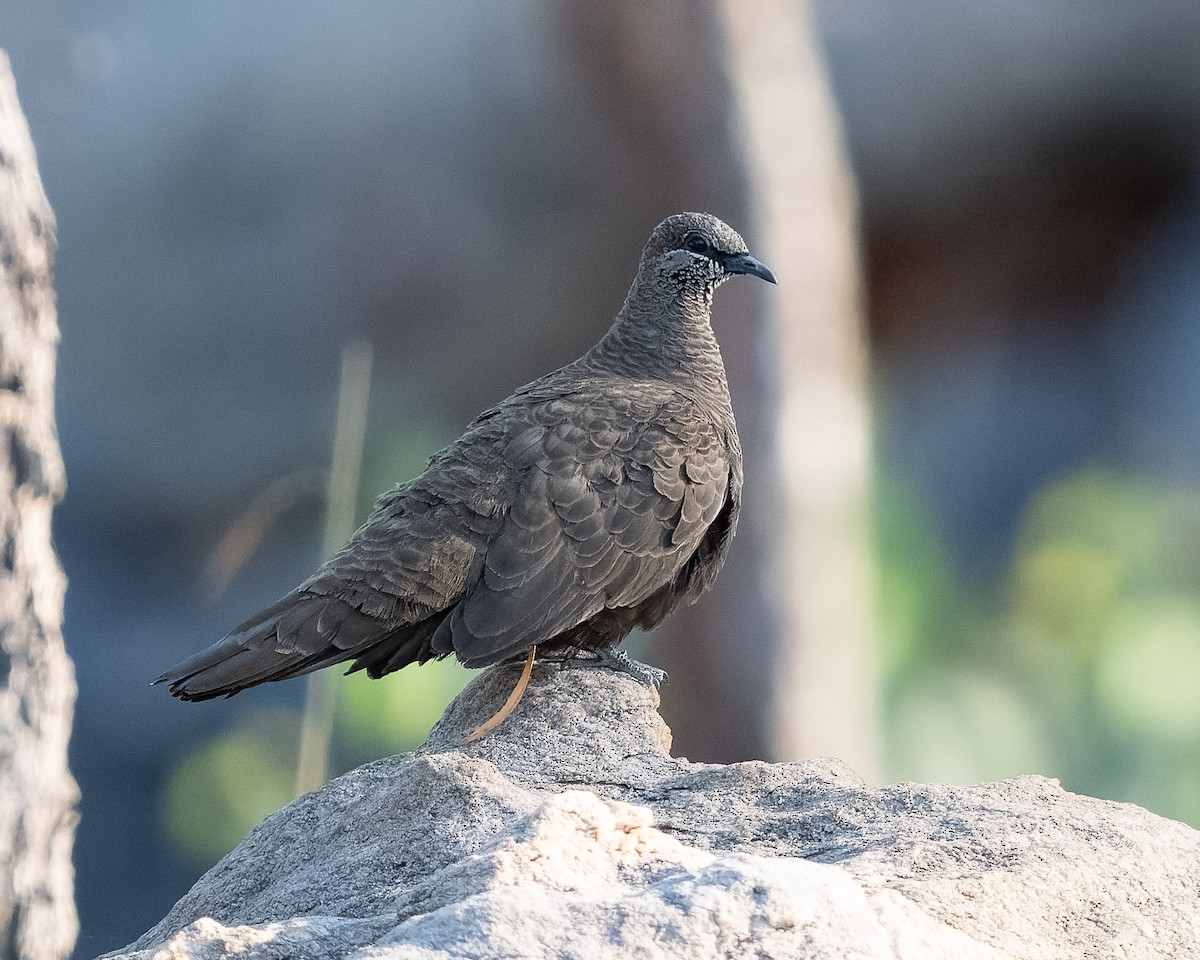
<point x="607" y="512"/>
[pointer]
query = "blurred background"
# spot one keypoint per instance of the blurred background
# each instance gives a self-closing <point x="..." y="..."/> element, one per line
<point x="242" y="189"/>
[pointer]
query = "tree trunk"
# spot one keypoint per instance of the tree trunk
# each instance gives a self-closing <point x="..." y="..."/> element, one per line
<point x="37" y="683"/>
<point x="813" y="554"/>
<point x="723" y="106"/>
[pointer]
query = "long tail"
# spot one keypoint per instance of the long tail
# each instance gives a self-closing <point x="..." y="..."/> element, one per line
<point x="299" y="634"/>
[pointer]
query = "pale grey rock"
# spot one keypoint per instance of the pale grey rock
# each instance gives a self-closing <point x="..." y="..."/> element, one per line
<point x="571" y="832"/>
<point x="38" y="795"/>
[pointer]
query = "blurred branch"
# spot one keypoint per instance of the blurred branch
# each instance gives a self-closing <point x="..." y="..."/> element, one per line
<point x="341" y="503"/>
<point x="240" y="541"/>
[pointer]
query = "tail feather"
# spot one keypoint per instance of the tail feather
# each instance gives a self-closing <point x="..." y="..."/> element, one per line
<point x="207" y="673"/>
<point x="399" y="649"/>
<point x="298" y="635"/>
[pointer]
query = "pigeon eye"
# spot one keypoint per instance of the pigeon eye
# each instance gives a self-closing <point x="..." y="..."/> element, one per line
<point x="696" y="243"/>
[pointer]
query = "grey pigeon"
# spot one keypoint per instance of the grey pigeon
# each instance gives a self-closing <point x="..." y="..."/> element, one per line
<point x="588" y="503"/>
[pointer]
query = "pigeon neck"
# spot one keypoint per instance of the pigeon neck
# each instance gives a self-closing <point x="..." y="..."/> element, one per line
<point x="667" y="339"/>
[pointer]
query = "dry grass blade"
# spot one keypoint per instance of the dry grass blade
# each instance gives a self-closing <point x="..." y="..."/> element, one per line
<point x="243" y="537"/>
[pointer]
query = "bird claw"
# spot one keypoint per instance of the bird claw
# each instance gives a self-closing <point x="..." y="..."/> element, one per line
<point x="643" y="673"/>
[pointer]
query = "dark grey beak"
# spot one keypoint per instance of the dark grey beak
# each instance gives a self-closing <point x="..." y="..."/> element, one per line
<point x="744" y="263"/>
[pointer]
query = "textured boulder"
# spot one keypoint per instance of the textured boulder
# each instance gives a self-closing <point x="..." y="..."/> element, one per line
<point x="572" y="832"/>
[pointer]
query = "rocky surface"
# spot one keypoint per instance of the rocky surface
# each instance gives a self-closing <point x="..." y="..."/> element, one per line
<point x="571" y="832"/>
<point x="38" y="795"/>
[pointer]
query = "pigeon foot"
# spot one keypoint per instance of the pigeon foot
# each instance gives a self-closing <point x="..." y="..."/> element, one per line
<point x="643" y="673"/>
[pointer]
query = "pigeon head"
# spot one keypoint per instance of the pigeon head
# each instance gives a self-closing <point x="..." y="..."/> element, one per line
<point x="694" y="252"/>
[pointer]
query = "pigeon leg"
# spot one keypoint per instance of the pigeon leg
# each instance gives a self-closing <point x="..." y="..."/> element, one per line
<point x="510" y="704"/>
<point x="564" y="655"/>
<point x="641" y="672"/>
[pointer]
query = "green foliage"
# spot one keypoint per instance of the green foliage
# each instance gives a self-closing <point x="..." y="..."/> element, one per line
<point x="921" y="602"/>
<point x="1083" y="663"/>
<point x="223" y="789"/>
<point x="1147" y="675"/>
<point x="380" y="717"/>
<point x="962" y="726"/>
